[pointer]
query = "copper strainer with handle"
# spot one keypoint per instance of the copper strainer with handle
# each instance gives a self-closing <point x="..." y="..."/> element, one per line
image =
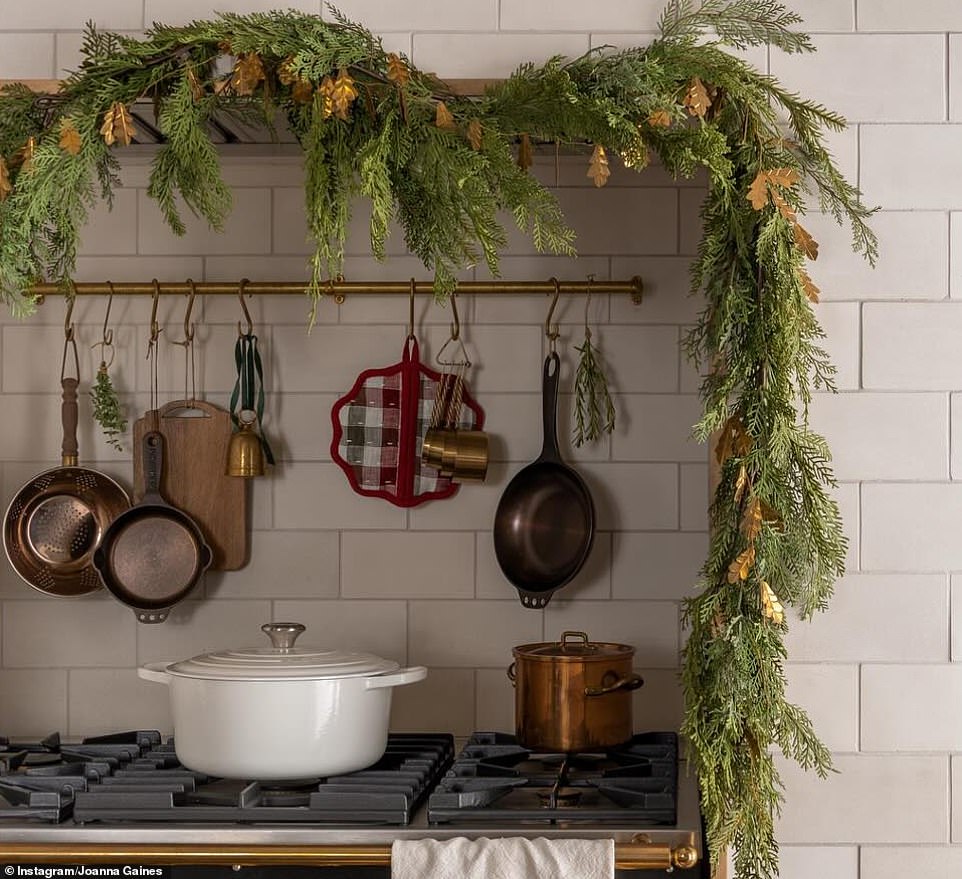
<point x="56" y="520"/>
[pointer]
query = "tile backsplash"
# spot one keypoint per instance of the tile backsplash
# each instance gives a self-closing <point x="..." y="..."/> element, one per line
<point x="877" y="673"/>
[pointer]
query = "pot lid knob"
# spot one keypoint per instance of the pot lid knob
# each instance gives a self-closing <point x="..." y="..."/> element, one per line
<point x="282" y="635"/>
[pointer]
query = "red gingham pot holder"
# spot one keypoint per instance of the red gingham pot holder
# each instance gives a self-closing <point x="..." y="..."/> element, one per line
<point x="379" y="427"/>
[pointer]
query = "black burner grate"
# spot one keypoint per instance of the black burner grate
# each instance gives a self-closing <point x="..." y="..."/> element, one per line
<point x="494" y="778"/>
<point x="135" y="776"/>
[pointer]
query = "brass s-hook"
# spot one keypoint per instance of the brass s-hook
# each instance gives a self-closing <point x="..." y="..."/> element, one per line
<point x="154" y="326"/>
<point x="68" y="317"/>
<point x="107" y="339"/>
<point x="108" y="335"/>
<point x="247" y="315"/>
<point x="188" y="326"/>
<point x="456" y="325"/>
<point x="551" y="331"/>
<point x="411" y="292"/>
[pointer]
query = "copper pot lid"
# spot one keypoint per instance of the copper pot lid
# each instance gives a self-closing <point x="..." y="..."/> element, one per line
<point x="574" y="647"/>
<point x="281" y="661"/>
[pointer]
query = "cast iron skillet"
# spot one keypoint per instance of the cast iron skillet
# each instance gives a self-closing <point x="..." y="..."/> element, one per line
<point x="545" y="521"/>
<point x="152" y="555"/>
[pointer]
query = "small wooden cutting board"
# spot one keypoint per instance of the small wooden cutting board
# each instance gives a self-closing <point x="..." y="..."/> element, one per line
<point x="196" y="435"/>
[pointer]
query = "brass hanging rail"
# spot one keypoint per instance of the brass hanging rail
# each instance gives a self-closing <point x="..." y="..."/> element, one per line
<point x="628" y="855"/>
<point x="340" y="290"/>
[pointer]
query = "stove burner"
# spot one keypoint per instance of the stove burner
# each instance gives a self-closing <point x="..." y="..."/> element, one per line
<point x="135" y="776"/>
<point x="559" y="797"/>
<point x="493" y="778"/>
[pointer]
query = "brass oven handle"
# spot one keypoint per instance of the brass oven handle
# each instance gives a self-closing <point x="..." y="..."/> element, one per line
<point x="633" y="855"/>
<point x="630" y="682"/>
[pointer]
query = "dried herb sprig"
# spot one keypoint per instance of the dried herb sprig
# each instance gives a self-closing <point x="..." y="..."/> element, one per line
<point x="108" y="412"/>
<point x="594" y="409"/>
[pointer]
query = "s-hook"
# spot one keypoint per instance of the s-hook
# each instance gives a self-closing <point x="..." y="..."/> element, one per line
<point x="107" y="339"/>
<point x="551" y="331"/>
<point x="68" y="337"/>
<point x="411" y="292"/>
<point x="188" y="346"/>
<point x="241" y="288"/>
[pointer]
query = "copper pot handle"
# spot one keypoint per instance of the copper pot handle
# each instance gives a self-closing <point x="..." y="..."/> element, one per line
<point x="574" y="636"/>
<point x="512" y="673"/>
<point x="630" y="682"/>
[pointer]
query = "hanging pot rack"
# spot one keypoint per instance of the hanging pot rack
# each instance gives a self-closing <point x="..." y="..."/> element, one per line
<point x="339" y="290"/>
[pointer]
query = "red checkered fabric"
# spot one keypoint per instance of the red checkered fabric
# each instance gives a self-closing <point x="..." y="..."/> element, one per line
<point x="379" y="427"/>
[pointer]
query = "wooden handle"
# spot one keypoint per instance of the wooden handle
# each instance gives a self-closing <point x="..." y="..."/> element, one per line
<point x="69" y="417"/>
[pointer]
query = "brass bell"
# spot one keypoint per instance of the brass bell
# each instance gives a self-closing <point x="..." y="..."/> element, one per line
<point x="245" y="457"/>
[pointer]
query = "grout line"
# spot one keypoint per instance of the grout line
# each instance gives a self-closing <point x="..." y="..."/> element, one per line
<point x="948" y="79"/>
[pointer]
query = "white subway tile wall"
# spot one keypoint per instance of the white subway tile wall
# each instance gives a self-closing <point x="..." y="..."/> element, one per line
<point x="878" y="672"/>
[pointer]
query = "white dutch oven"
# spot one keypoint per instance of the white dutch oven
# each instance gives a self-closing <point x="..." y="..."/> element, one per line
<point x="280" y="712"/>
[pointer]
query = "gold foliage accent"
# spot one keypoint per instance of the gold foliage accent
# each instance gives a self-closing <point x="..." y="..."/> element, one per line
<point x="248" y="74"/>
<point x="442" y="117"/>
<point x="397" y="70"/>
<point x="69" y="137"/>
<point x="343" y="94"/>
<point x="598" y="169"/>
<point x="739" y="569"/>
<point x="697" y="100"/>
<point x="808" y="285"/>
<point x="525" y="156"/>
<point x="660" y="119"/>
<point x="474" y="134"/>
<point x="5" y="186"/>
<point x="771" y="606"/>
<point x="118" y="126"/>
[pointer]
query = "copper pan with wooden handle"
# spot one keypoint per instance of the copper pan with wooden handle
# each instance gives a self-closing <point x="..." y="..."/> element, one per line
<point x="56" y="521"/>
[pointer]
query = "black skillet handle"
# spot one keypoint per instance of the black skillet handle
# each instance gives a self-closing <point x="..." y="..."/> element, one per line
<point x="153" y="451"/>
<point x="536" y="600"/>
<point x="549" y="410"/>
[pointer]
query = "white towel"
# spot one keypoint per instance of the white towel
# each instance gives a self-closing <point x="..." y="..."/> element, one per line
<point x="507" y="858"/>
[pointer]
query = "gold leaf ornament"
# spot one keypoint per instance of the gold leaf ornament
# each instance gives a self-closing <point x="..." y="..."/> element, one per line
<point x="5" y="186"/>
<point x="771" y="606"/>
<point x="248" y="74"/>
<point x="598" y="169"/>
<point x="759" y="193"/>
<point x="343" y="94"/>
<point x="740" y="568"/>
<point x="70" y="141"/>
<point x="525" y="158"/>
<point x="326" y="92"/>
<point x="442" y="117"/>
<point x="805" y="242"/>
<point x="660" y="119"/>
<point x="808" y="286"/>
<point x="303" y="91"/>
<point x="752" y="520"/>
<point x="118" y="126"/>
<point x="397" y="70"/>
<point x="474" y="134"/>
<point x="733" y="439"/>
<point x="697" y="100"/>
<point x="741" y="482"/>
<point x="285" y="75"/>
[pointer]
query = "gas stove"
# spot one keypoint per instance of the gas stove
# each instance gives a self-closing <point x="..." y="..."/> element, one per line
<point x="136" y="777"/>
<point x="126" y="796"/>
<point x="494" y="777"/>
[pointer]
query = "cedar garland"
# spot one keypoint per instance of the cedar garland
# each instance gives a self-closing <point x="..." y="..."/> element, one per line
<point x="446" y="169"/>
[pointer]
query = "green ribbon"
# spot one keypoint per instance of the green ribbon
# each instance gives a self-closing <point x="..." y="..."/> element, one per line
<point x="249" y="387"/>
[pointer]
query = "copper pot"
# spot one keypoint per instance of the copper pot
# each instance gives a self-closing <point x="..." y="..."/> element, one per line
<point x="573" y="694"/>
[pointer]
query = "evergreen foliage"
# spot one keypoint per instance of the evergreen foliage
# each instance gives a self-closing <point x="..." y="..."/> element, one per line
<point x="447" y="182"/>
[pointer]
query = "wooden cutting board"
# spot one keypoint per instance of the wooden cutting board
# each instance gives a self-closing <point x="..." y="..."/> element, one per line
<point x="194" y="478"/>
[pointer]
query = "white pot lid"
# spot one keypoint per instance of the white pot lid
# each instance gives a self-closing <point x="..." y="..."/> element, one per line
<point x="281" y="661"/>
